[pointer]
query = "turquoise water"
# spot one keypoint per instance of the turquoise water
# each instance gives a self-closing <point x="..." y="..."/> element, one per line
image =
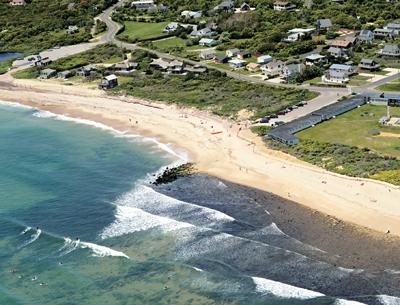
<point x="79" y="224"/>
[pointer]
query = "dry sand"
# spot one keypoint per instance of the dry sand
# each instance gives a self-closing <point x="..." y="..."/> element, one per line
<point x="235" y="155"/>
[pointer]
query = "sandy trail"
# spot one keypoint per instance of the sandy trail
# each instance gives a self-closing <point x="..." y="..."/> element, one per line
<point x="235" y="155"/>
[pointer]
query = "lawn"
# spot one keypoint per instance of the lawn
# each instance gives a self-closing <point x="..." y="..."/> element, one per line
<point x="392" y="86"/>
<point x="352" y="129"/>
<point x="359" y="80"/>
<point x="139" y="31"/>
<point x="169" y="43"/>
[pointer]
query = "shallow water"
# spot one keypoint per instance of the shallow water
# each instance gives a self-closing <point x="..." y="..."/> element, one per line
<point x="78" y="216"/>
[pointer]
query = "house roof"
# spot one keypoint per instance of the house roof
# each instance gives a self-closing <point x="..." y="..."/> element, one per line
<point x="233" y="50"/>
<point x="220" y="57"/>
<point x="302" y="30"/>
<point x="237" y="61"/>
<point x="340" y="67"/>
<point x="365" y="33"/>
<point x="315" y="56"/>
<point x="324" y="23"/>
<point x="253" y="65"/>
<point x="244" y="53"/>
<point x="207" y="40"/>
<point x="264" y="57"/>
<point x="393" y="25"/>
<point x="206" y="52"/>
<point x="341" y="43"/>
<point x="111" y="77"/>
<point x="47" y="71"/>
<point x="390" y="48"/>
<point x="274" y="64"/>
<point x="367" y="61"/>
<point x="294" y="68"/>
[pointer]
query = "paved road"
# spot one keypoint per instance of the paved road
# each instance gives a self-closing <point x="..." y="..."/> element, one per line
<point x="66" y="51"/>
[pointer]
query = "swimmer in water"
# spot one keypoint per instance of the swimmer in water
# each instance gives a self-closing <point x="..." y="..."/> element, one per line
<point x="43" y="284"/>
<point x="60" y="263"/>
<point x="34" y="278"/>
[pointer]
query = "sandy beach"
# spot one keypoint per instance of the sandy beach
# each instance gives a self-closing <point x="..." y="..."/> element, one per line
<point x="235" y="154"/>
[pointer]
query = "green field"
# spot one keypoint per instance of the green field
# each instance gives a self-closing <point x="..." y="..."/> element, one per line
<point x="359" y="80"/>
<point x="352" y="128"/>
<point x="392" y="86"/>
<point x="170" y="43"/>
<point x="137" y="31"/>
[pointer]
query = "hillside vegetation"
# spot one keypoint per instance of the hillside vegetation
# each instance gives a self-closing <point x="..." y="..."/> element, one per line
<point x="42" y="24"/>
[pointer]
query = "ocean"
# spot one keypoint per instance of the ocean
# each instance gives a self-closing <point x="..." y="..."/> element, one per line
<point x="81" y="223"/>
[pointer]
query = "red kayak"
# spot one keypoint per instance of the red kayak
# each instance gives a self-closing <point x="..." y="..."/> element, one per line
<point x="216" y="132"/>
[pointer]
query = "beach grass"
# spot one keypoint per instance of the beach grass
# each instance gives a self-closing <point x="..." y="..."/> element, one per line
<point x="352" y="128"/>
<point x="138" y="31"/>
<point x="215" y="92"/>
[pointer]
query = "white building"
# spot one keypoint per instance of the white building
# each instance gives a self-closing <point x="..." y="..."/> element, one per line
<point x="264" y="59"/>
<point x="144" y="4"/>
<point x="191" y="14"/>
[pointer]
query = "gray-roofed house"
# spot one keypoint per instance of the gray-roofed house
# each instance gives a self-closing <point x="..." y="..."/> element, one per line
<point x="160" y="64"/>
<point x="109" y="82"/>
<point x="221" y="59"/>
<point x="289" y="72"/>
<point x="390" y="50"/>
<point x="315" y="59"/>
<point x="395" y="27"/>
<point x="125" y="67"/>
<point x="64" y="75"/>
<point x="225" y="6"/>
<point x="175" y="67"/>
<point x="206" y="32"/>
<point x="383" y="33"/>
<point x="47" y="73"/>
<point x="338" y="73"/>
<point x="171" y="27"/>
<point x="369" y="64"/>
<point x="88" y="71"/>
<point x="337" y="52"/>
<point x="207" y="54"/>
<point x="366" y="36"/>
<point x="17" y="2"/>
<point x="324" y="24"/>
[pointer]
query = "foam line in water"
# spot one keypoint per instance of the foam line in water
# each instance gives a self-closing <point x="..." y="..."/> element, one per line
<point x="388" y="300"/>
<point x="347" y="302"/>
<point x="102" y="251"/>
<point x="278" y="289"/>
<point x="68" y="247"/>
<point x="164" y="147"/>
<point x="143" y="197"/>
<point x="130" y="220"/>
<point x="33" y="238"/>
<point x="26" y="230"/>
<point x="265" y="286"/>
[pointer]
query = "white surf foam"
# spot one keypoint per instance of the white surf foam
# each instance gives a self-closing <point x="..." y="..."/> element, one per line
<point x="198" y="269"/>
<point x="33" y="238"/>
<point x="265" y="286"/>
<point x="272" y="229"/>
<point x="102" y="251"/>
<point x="388" y="300"/>
<point x="347" y="302"/>
<point x="26" y="230"/>
<point x="146" y="198"/>
<point x="131" y="219"/>
<point x="68" y="247"/>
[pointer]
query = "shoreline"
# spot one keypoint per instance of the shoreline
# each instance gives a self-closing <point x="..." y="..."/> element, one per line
<point x="235" y="155"/>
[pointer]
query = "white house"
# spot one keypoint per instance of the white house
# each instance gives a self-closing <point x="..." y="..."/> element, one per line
<point x="232" y="52"/>
<point x="339" y="74"/>
<point x="144" y="4"/>
<point x="272" y="68"/>
<point x="237" y="63"/>
<point x="206" y="32"/>
<point x="207" y="54"/>
<point x="315" y="59"/>
<point x="208" y="42"/>
<point x="395" y="27"/>
<point x="17" y="2"/>
<point x="264" y="59"/>
<point x="283" y="6"/>
<point x="291" y="71"/>
<point x="191" y="14"/>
